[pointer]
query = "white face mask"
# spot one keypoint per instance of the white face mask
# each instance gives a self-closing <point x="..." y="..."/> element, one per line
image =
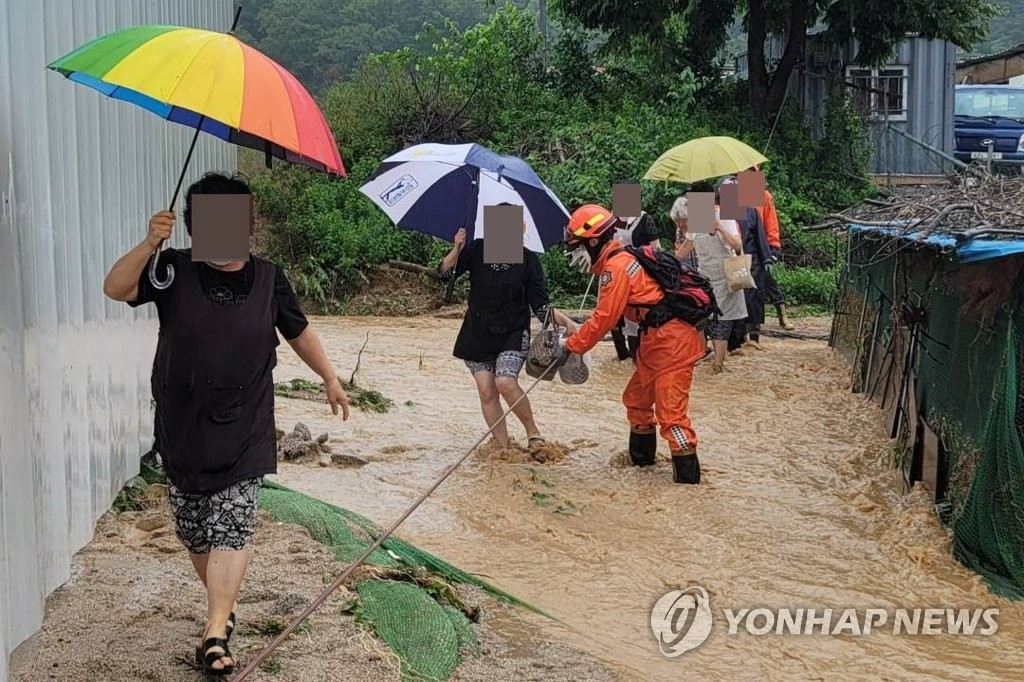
<point x="220" y="263"/>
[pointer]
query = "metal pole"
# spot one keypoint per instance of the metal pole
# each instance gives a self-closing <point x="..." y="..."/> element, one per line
<point x="885" y="140"/>
<point x="948" y="157"/>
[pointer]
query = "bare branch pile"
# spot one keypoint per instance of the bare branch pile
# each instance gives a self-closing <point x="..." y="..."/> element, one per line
<point x="967" y="206"/>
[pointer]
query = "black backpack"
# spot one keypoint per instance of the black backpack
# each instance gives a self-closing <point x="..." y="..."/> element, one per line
<point x="688" y="294"/>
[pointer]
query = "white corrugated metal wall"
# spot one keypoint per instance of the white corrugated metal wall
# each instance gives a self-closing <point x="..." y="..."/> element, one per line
<point x="79" y="177"/>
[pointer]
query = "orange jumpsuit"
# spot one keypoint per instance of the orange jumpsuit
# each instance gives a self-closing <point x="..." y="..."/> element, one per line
<point x="659" y="390"/>
<point x="770" y="218"/>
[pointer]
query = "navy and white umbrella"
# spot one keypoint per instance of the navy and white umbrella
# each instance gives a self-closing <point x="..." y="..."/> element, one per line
<point x="438" y="188"/>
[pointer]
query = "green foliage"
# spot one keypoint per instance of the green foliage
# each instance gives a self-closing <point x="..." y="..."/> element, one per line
<point x="806" y="286"/>
<point x="692" y="34"/>
<point x="1006" y="30"/>
<point x="581" y="130"/>
<point x="321" y="41"/>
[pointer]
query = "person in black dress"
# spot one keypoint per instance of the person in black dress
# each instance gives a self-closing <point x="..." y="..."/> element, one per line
<point x="495" y="334"/>
<point x="214" y="397"/>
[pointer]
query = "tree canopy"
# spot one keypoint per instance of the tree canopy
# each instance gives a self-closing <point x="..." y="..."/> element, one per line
<point x="322" y="40"/>
<point x="878" y="26"/>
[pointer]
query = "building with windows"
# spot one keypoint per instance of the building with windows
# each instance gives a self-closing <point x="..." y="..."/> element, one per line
<point x="907" y="103"/>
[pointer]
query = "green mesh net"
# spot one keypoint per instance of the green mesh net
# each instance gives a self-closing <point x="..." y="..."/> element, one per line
<point x="969" y="384"/>
<point x="989" y="533"/>
<point x="417" y="617"/>
<point x="415" y="626"/>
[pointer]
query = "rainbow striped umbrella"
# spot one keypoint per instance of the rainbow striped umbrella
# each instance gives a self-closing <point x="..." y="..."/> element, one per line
<point x="212" y="82"/>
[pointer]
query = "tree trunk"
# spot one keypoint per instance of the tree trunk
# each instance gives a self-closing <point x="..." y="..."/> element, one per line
<point x="767" y="93"/>
<point x="757" y="67"/>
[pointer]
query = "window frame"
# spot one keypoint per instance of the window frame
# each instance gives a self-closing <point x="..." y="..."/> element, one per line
<point x="875" y="76"/>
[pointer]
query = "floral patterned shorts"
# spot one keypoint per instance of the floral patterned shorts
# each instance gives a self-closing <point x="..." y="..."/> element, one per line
<point x="221" y="520"/>
<point x="506" y="364"/>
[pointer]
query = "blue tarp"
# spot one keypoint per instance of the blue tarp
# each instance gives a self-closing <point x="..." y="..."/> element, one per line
<point x="972" y="251"/>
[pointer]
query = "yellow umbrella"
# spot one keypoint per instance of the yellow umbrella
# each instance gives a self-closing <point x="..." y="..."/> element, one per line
<point x="704" y="158"/>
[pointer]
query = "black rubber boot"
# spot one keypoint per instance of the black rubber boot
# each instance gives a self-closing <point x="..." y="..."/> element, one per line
<point x="642" y="448"/>
<point x="686" y="468"/>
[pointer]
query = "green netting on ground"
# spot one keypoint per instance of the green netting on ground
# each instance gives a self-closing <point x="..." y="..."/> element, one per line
<point x="415" y="626"/>
<point x="325" y="524"/>
<point x="969" y="369"/>
<point x="463" y="629"/>
<point x="420" y="624"/>
<point x="351" y="530"/>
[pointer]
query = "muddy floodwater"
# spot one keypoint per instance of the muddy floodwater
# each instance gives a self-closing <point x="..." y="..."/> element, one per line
<point x="797" y="509"/>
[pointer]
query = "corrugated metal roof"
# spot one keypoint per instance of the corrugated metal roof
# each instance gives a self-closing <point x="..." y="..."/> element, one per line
<point x="1005" y="54"/>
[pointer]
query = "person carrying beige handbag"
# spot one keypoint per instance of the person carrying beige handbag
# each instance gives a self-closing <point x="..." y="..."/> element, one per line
<point x="712" y="250"/>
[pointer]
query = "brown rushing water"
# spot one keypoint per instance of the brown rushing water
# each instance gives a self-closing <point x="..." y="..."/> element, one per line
<point x="796" y="509"/>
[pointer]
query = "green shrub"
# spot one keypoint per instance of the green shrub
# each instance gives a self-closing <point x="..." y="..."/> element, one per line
<point x="806" y="286"/>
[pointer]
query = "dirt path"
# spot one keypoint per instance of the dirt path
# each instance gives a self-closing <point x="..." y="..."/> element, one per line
<point x="133" y="610"/>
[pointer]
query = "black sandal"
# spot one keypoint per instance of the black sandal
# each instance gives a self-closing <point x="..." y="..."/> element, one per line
<point x="230" y="625"/>
<point x="206" y="658"/>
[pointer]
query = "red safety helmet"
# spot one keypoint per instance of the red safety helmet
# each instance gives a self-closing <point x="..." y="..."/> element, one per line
<point x="588" y="222"/>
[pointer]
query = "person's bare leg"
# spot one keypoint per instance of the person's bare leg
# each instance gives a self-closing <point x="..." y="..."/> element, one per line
<point x="721" y="351"/>
<point x="490" y="405"/>
<point x="225" y="570"/>
<point x="511" y="391"/>
<point x="199" y="562"/>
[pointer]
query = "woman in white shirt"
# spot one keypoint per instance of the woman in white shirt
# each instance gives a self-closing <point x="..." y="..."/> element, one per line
<point x="711" y="251"/>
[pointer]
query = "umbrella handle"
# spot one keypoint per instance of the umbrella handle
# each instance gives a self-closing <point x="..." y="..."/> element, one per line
<point x="153" y="279"/>
<point x="471" y="202"/>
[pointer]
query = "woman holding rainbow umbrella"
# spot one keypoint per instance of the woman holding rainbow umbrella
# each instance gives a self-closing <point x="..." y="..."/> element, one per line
<point x="212" y="375"/>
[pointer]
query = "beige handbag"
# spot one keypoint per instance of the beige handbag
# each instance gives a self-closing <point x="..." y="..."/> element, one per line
<point x="542" y="351"/>
<point x="737" y="271"/>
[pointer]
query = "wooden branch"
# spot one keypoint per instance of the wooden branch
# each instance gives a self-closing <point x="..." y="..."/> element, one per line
<point x="819" y="227"/>
<point x="414" y="268"/>
<point x="943" y="214"/>
<point x="839" y="217"/>
<point x="359" y="359"/>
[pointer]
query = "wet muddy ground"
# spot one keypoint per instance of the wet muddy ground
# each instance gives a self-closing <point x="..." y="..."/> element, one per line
<point x="797" y="509"/>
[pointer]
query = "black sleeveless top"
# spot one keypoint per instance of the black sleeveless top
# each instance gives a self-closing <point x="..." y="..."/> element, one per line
<point x="212" y="383"/>
<point x="501" y="298"/>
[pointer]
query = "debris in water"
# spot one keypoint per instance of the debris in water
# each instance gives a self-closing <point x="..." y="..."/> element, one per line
<point x="339" y="459"/>
<point x="299" y="444"/>
<point x="367" y="400"/>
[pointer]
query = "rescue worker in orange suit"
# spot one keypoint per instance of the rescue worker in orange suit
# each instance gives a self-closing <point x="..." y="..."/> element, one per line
<point x="773" y="292"/>
<point x="659" y="391"/>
